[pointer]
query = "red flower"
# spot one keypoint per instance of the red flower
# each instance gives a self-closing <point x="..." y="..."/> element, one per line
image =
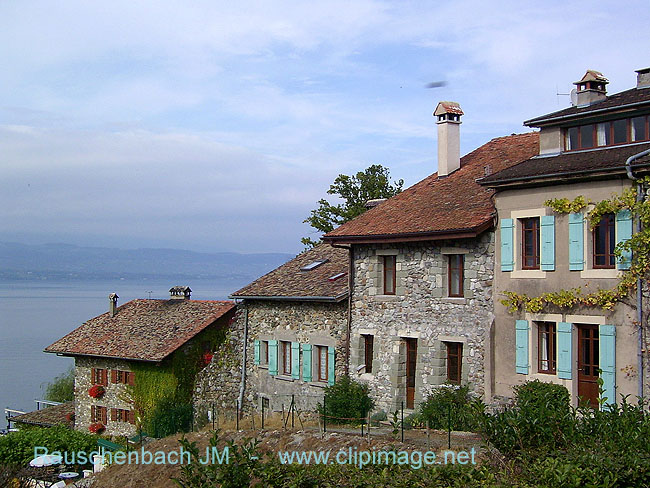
<point x="96" y="391"/>
<point x="97" y="428"/>
<point x="207" y="358"/>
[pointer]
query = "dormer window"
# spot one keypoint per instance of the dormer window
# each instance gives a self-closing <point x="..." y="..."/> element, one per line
<point x="621" y="131"/>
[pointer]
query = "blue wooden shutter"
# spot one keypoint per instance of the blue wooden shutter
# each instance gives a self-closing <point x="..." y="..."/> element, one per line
<point x="607" y="362"/>
<point x="295" y="360"/>
<point x="330" y="365"/>
<point x="548" y="242"/>
<point x="564" y="349"/>
<point x="306" y="362"/>
<point x="623" y="233"/>
<point x="273" y="358"/>
<point x="521" y="331"/>
<point x="257" y="351"/>
<point x="576" y="242"/>
<point x="507" y="254"/>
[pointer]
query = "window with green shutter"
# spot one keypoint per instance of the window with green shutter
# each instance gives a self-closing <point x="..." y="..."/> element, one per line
<point x="623" y="233"/>
<point x="576" y="242"/>
<point x="548" y="242"/>
<point x="522" y="365"/>
<point x="507" y="253"/>
<point x="273" y="358"/>
<point x="564" y="349"/>
<point x="295" y="360"/>
<point x="306" y="362"/>
<point x="607" y="362"/>
<point x="330" y="364"/>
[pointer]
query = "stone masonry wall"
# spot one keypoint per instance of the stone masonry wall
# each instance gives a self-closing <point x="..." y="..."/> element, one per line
<point x="421" y="309"/>
<point x="116" y="396"/>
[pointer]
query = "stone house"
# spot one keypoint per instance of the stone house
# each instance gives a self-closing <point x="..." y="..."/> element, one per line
<point x="107" y="348"/>
<point x="583" y="152"/>
<point x="295" y="320"/>
<point x="422" y="261"/>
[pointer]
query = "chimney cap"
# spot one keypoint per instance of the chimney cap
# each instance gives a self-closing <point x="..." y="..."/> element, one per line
<point x="182" y="292"/>
<point x="113" y="297"/>
<point x="448" y="108"/>
<point x="592" y="75"/>
<point x="642" y="71"/>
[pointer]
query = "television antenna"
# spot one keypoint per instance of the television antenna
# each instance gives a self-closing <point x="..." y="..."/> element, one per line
<point x="150" y="292"/>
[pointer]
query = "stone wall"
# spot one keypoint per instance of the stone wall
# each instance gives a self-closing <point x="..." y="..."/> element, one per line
<point x="420" y="309"/>
<point x="116" y="395"/>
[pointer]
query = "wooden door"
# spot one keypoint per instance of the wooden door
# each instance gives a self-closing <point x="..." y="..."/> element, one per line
<point x="411" y="358"/>
<point x="588" y="354"/>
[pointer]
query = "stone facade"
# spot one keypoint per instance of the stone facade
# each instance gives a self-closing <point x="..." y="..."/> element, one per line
<point x="305" y="322"/>
<point x="421" y="310"/>
<point x="116" y="396"/>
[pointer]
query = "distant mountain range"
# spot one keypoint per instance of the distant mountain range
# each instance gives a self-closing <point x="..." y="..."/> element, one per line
<point x="67" y="261"/>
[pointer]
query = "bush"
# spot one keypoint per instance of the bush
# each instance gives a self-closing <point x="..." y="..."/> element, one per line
<point x="61" y="388"/>
<point x="18" y="447"/>
<point x="452" y="405"/>
<point x="347" y="401"/>
<point x="170" y="417"/>
<point x="377" y="417"/>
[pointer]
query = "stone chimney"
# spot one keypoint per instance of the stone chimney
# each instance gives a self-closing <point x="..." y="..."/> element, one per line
<point x="112" y="304"/>
<point x="180" y="293"/>
<point x="591" y="88"/>
<point x="643" y="78"/>
<point x="448" y="119"/>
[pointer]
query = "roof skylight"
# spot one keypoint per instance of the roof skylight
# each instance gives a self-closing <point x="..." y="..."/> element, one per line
<point x="313" y="264"/>
<point x="336" y="276"/>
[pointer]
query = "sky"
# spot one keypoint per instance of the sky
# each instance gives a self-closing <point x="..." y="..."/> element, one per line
<point x="217" y="126"/>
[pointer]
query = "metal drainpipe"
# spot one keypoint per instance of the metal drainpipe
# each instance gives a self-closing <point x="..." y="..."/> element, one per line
<point x="639" y="283"/>
<point x="350" y="288"/>
<point x="242" y="386"/>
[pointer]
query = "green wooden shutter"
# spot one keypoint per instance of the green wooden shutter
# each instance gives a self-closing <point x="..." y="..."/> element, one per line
<point x="564" y="349"/>
<point x="507" y="254"/>
<point x="306" y="362"/>
<point x="330" y="365"/>
<point x="623" y="233"/>
<point x="295" y="360"/>
<point x="521" y="331"/>
<point x="607" y="362"/>
<point x="548" y="242"/>
<point x="576" y="242"/>
<point x="273" y="358"/>
<point x="257" y="351"/>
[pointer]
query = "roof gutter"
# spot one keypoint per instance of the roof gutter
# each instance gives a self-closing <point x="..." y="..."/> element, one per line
<point x="639" y="282"/>
<point x="533" y="122"/>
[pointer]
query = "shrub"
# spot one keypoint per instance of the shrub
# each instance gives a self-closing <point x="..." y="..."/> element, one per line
<point x="169" y="417"/>
<point x="377" y="417"/>
<point x="452" y="406"/>
<point x="347" y="401"/>
<point x="18" y="447"/>
<point x="61" y="388"/>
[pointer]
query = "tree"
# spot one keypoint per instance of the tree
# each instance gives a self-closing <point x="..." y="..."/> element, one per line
<point x="61" y="389"/>
<point x="370" y="184"/>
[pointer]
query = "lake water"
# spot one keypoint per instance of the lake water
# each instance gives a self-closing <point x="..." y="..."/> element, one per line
<point x="35" y="314"/>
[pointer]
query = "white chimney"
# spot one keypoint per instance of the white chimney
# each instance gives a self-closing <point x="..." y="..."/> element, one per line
<point x="643" y="78"/>
<point x="112" y="304"/>
<point x="591" y="88"/>
<point x="448" y="120"/>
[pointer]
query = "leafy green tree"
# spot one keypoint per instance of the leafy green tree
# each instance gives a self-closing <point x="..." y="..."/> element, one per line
<point x="61" y="388"/>
<point x="355" y="191"/>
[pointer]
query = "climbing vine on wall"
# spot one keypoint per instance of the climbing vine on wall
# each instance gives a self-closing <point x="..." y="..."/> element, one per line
<point x="638" y="244"/>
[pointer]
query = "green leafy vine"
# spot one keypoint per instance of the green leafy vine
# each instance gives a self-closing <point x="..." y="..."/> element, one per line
<point x="638" y="245"/>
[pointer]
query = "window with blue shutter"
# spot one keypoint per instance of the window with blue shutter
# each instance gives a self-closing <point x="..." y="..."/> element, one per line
<point x="257" y="352"/>
<point x="295" y="360"/>
<point x="607" y="362"/>
<point x="623" y="233"/>
<point x="576" y="242"/>
<point x="507" y="252"/>
<point x="273" y="358"/>
<point x="564" y="348"/>
<point x="521" y="341"/>
<point x="330" y="365"/>
<point x="548" y="242"/>
<point x="306" y="362"/>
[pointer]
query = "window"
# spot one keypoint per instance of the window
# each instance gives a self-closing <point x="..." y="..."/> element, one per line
<point x="122" y="415"/>
<point x="286" y="357"/>
<point x="99" y="376"/>
<point x="123" y="377"/>
<point x="619" y="131"/>
<point x="389" y="275"/>
<point x="455" y="275"/>
<point x="546" y="347"/>
<point x="368" y="344"/>
<point x="98" y="414"/>
<point x="604" y="242"/>
<point x="314" y="264"/>
<point x="530" y="243"/>
<point x="264" y="352"/>
<point x="321" y="351"/>
<point x="454" y="362"/>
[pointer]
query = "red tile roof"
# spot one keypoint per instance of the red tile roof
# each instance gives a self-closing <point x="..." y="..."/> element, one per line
<point x="142" y="330"/>
<point x="455" y="205"/>
<point x="48" y="416"/>
<point x="289" y="282"/>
